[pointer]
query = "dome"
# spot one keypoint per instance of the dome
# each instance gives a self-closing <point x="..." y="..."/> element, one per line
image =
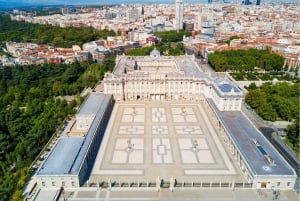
<point x="155" y="53"/>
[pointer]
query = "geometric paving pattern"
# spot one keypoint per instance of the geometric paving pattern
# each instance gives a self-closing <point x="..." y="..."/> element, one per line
<point x="183" y="114"/>
<point x="161" y="149"/>
<point x="131" y="130"/>
<point x="188" y="130"/>
<point x="146" y="140"/>
<point x="128" y="151"/>
<point x="158" y="115"/>
<point x="195" y="150"/>
<point x="133" y="114"/>
<point x="160" y="130"/>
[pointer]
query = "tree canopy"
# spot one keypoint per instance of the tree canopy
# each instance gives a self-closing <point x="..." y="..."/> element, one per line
<point x="293" y="134"/>
<point x="172" y="36"/>
<point x="245" y="60"/>
<point x="30" y="112"/>
<point x="278" y="102"/>
<point x="46" y="34"/>
<point x="275" y="102"/>
<point x="165" y="48"/>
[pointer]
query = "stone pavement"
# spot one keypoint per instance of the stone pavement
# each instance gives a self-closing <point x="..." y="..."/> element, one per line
<point x="144" y="140"/>
<point x="178" y="195"/>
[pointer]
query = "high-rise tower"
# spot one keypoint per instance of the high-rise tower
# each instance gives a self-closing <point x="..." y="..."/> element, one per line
<point x="247" y="2"/>
<point x="178" y="14"/>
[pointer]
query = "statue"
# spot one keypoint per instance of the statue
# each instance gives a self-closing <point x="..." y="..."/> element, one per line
<point x="172" y="184"/>
<point x="158" y="181"/>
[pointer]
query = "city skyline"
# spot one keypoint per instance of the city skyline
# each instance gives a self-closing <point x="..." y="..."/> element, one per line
<point x="20" y="3"/>
<point x="80" y="2"/>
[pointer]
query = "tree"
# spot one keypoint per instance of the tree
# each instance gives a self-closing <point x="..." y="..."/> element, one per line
<point x="275" y="102"/>
<point x="46" y="34"/>
<point x="30" y="112"/>
<point x="172" y="36"/>
<point x="252" y="86"/>
<point x="293" y="133"/>
<point x="245" y="60"/>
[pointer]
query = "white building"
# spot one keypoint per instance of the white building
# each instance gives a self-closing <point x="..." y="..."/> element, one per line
<point x="178" y="14"/>
<point x="69" y="162"/>
<point x="132" y="15"/>
<point x="158" y="77"/>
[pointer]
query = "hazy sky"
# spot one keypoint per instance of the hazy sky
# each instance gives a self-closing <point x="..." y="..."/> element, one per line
<point x="12" y="3"/>
<point x="52" y="1"/>
<point x="80" y="1"/>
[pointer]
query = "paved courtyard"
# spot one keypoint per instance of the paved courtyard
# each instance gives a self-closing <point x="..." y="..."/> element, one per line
<point x="146" y="140"/>
<point x="180" y="195"/>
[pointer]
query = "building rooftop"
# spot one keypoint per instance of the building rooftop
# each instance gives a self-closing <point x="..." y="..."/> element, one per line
<point x="91" y="132"/>
<point x="91" y="104"/>
<point x="257" y="151"/>
<point x="69" y="152"/>
<point x="171" y="66"/>
<point x="61" y="159"/>
<point x="225" y="87"/>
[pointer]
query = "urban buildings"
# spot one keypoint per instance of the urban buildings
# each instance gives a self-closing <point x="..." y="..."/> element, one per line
<point x="273" y="26"/>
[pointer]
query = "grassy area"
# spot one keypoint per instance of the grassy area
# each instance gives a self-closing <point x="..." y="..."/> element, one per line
<point x="295" y="149"/>
<point x="268" y="76"/>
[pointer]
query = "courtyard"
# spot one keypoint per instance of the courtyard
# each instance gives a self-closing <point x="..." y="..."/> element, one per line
<point x="145" y="140"/>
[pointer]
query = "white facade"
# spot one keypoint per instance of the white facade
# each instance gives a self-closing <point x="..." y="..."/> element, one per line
<point x="259" y="168"/>
<point x="158" y="77"/>
<point x="56" y="181"/>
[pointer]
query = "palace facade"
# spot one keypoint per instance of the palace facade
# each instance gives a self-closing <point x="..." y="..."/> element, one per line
<point x="158" y="77"/>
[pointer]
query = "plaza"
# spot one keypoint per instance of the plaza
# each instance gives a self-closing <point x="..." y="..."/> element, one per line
<point x="145" y="140"/>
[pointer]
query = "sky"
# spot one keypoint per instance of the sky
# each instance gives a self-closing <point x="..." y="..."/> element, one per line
<point x="49" y="2"/>
<point x="20" y="3"/>
<point x="17" y="3"/>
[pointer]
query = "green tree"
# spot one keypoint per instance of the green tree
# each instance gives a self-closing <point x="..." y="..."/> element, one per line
<point x="275" y="102"/>
<point x="172" y="36"/>
<point x="46" y="34"/>
<point x="293" y="133"/>
<point x="30" y="112"/>
<point x="245" y="60"/>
